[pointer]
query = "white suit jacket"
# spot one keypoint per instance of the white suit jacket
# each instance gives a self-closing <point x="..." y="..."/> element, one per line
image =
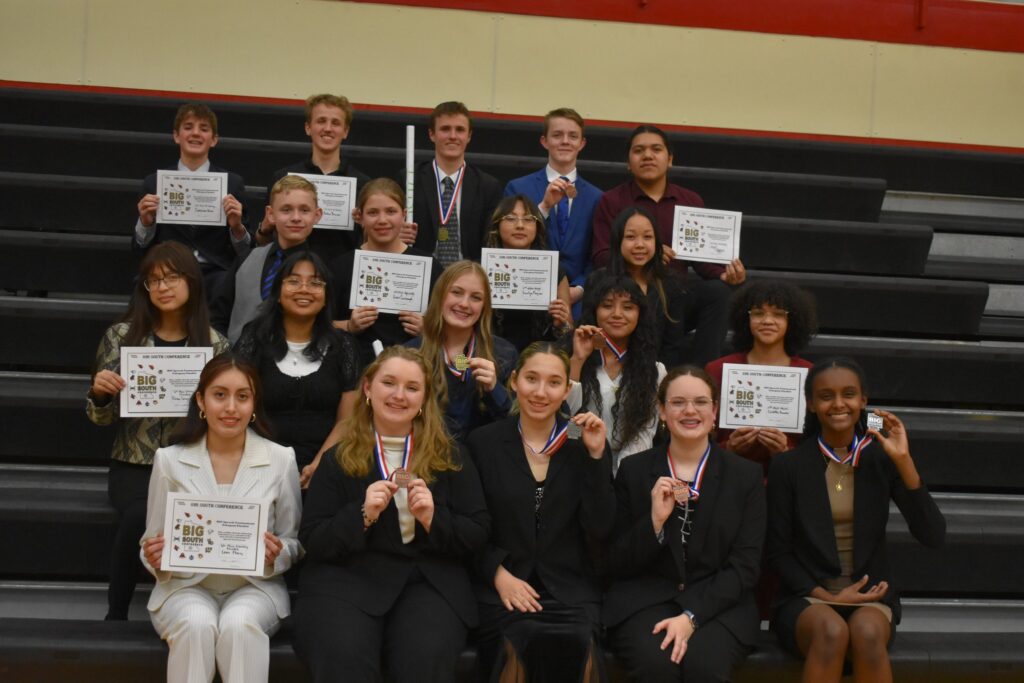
<point x="267" y="470"/>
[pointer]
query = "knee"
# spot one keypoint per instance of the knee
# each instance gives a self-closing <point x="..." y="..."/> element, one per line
<point x="236" y="624"/>
<point x="831" y="637"/>
<point x="869" y="639"/>
<point x="705" y="667"/>
<point x="192" y="626"/>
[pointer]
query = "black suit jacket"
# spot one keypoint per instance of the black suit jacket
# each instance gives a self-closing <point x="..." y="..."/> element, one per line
<point x="481" y="194"/>
<point x="213" y="243"/>
<point x="715" y="576"/>
<point x="801" y="535"/>
<point x="369" y="569"/>
<point x="578" y="510"/>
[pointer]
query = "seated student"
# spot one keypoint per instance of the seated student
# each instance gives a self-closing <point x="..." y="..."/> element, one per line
<point x="771" y="321"/>
<point x="564" y="198"/>
<point x="517" y="224"/>
<point x="391" y="517"/>
<point x="705" y="301"/>
<point x="380" y="210"/>
<point x="214" y="621"/>
<point x="328" y="120"/>
<point x="614" y="370"/>
<point x="309" y="369"/>
<point x="551" y="503"/>
<point x="828" y="506"/>
<point x="167" y="308"/>
<point x="195" y="133"/>
<point x="469" y="365"/>
<point x="636" y="250"/>
<point x="452" y="200"/>
<point x="686" y="548"/>
<point x="293" y="205"/>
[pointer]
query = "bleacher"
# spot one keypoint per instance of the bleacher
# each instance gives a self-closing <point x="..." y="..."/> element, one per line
<point x="916" y="257"/>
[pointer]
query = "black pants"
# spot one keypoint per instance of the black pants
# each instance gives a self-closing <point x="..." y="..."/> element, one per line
<point x="711" y="654"/>
<point x="418" y="641"/>
<point x="127" y="488"/>
<point x="706" y="310"/>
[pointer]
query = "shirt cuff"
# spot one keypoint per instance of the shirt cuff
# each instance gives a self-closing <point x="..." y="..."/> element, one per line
<point x="143" y="234"/>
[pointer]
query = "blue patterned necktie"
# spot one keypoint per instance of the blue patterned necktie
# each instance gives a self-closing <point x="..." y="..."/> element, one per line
<point x="449" y="249"/>
<point x="268" y="280"/>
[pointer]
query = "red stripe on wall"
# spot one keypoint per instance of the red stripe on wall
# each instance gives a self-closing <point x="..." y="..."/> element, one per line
<point x="424" y="111"/>
<point x="946" y="23"/>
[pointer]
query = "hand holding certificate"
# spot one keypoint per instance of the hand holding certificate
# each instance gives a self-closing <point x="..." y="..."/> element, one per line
<point x="762" y="396"/>
<point x="159" y="382"/>
<point x="392" y="283"/>
<point x="191" y="198"/>
<point x="336" y="196"/>
<point x="214" y="535"/>
<point x="707" y="235"/>
<point x="525" y="279"/>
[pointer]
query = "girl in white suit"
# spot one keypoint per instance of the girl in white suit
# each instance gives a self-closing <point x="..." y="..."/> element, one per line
<point x="217" y="621"/>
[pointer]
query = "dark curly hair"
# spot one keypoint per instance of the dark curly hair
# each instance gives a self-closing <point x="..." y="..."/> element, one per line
<point x="636" y="400"/>
<point x="802" y="321"/>
<point x="812" y="426"/>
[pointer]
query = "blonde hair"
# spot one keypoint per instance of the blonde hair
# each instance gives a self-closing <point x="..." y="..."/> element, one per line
<point x="385" y="186"/>
<point x="432" y="337"/>
<point x="293" y="182"/>
<point x="339" y="101"/>
<point x="432" y="446"/>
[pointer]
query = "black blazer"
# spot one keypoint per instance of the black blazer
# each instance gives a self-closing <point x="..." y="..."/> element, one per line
<point x="370" y="568"/>
<point x="578" y="506"/>
<point x="723" y="555"/>
<point x="481" y="193"/>
<point x="801" y="535"/>
<point x="213" y="243"/>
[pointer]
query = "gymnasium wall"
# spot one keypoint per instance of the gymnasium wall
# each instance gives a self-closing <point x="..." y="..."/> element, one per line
<point x="391" y="55"/>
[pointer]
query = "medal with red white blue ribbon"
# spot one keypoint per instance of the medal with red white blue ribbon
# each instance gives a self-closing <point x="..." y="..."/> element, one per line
<point x="685" y="491"/>
<point x="445" y="212"/>
<point x="559" y="434"/>
<point x="852" y="456"/>
<point x="459" y="367"/>
<point x="400" y="475"/>
<point x="613" y="347"/>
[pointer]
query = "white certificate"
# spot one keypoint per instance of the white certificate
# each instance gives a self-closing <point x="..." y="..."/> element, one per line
<point x="391" y="282"/>
<point x="525" y="279"/>
<point x="762" y="396"/>
<point x="335" y="194"/>
<point x="159" y="382"/>
<point x="214" y="534"/>
<point x="706" y="235"/>
<point x="191" y="198"/>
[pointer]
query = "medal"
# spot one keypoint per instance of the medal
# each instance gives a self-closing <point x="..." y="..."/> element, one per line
<point x="460" y="365"/>
<point x="442" y="235"/>
<point x="555" y="439"/>
<point x="461" y="362"/>
<point x="570" y="191"/>
<point x="852" y="456"/>
<point x="400" y="475"/>
<point x="875" y="422"/>
<point x="683" y="491"/>
<point x="574" y="430"/>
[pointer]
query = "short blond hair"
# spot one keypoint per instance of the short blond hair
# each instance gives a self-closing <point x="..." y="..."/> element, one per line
<point x="339" y="101"/>
<point x="293" y="182"/>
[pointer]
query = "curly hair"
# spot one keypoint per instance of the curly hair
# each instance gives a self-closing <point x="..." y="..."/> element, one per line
<point x="802" y="321"/>
<point x="636" y="400"/>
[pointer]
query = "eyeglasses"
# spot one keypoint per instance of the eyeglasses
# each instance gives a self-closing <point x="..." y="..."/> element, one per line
<point x="171" y="280"/>
<point x="517" y="220"/>
<point x="699" y="403"/>
<point x="761" y="314"/>
<point x="295" y="283"/>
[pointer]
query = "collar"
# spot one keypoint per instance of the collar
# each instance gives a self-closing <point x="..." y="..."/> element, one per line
<point x="205" y="168"/>
<point x="552" y="174"/>
<point x="312" y="169"/>
<point x="255" y="454"/>
<point x="671" y="192"/>
<point x="441" y="175"/>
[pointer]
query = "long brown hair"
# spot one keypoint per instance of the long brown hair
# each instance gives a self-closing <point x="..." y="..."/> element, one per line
<point x="142" y="316"/>
<point x="192" y="428"/>
<point x="431" y="443"/>
<point x="433" y="324"/>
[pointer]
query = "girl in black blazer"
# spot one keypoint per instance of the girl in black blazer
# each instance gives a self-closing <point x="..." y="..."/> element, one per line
<point x="687" y="546"/>
<point x="391" y="515"/>
<point x="550" y="497"/>
<point x="828" y="502"/>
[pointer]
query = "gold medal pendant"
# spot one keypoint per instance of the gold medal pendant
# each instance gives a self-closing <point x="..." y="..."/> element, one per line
<point x="461" y="362"/>
<point x="839" y="487"/>
<point x="442" y="235"/>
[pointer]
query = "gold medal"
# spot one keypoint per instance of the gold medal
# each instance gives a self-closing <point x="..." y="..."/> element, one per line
<point x="442" y="235"/>
<point x="461" y="362"/>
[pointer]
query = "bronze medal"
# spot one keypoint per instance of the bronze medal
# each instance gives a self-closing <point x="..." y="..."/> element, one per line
<point x="570" y="191"/>
<point x="442" y="235"/>
<point x="681" y="491"/>
<point x="461" y="362"/>
<point x="401" y="477"/>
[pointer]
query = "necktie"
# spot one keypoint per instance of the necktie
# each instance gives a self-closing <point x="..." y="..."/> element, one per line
<point x="268" y="279"/>
<point x="448" y="249"/>
<point x="562" y="215"/>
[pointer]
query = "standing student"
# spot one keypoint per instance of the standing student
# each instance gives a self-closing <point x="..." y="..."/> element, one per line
<point x="649" y="157"/>
<point x="565" y="199"/>
<point x="167" y="308"/>
<point x="309" y="370"/>
<point x="772" y="321"/>
<point x="380" y="210"/>
<point x="551" y="500"/>
<point x="222" y="622"/>
<point x="469" y="365"/>
<point x="517" y="224"/>
<point x="391" y="517"/>
<point x="828" y="505"/>
<point x="195" y="133"/>
<point x="328" y="121"/>
<point x="453" y="200"/>
<point x="614" y="369"/>
<point x="294" y="210"/>
<point x="686" y="548"/>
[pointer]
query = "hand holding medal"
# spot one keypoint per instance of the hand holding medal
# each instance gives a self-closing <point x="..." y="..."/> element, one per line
<point x="421" y="502"/>
<point x="896" y="445"/>
<point x="663" y="501"/>
<point x="483" y="371"/>
<point x="378" y="496"/>
<point x="584" y="339"/>
<point x="594" y="433"/>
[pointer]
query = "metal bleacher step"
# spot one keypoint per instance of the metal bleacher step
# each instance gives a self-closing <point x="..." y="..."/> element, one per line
<point x="954" y="213"/>
<point x="992" y="258"/>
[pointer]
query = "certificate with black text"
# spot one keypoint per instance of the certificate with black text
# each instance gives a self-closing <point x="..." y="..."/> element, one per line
<point x="525" y="279"/>
<point x="391" y="282"/>
<point x="214" y="534"/>
<point x="160" y="381"/>
<point x="707" y="235"/>
<point x="762" y="396"/>
<point x="336" y="195"/>
<point x="191" y="198"/>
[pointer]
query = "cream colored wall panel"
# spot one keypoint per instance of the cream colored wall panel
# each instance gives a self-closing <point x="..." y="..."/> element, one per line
<point x="42" y="41"/>
<point x="950" y="95"/>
